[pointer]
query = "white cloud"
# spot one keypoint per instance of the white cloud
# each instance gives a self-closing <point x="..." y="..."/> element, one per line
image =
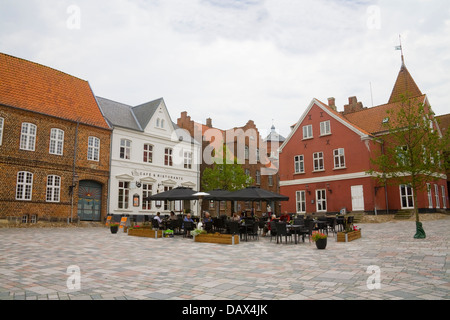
<point x="237" y="60"/>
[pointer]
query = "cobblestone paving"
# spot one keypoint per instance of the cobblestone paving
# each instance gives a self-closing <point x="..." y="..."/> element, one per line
<point x="34" y="263"/>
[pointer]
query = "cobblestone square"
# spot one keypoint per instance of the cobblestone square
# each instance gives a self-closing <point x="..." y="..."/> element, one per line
<point x="34" y="265"/>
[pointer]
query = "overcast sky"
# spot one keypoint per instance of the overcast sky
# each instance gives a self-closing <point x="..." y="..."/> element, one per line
<point x="235" y="60"/>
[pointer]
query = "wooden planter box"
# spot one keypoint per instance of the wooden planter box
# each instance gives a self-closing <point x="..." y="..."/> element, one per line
<point x="349" y="236"/>
<point x="217" y="238"/>
<point x="145" y="232"/>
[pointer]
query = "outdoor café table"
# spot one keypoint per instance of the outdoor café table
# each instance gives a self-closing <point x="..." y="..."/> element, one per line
<point x="245" y="227"/>
<point x="293" y="228"/>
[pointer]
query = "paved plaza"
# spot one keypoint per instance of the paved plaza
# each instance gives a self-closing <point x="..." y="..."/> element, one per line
<point x="34" y="264"/>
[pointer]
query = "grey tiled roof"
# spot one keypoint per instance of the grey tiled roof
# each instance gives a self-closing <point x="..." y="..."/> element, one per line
<point x="118" y="114"/>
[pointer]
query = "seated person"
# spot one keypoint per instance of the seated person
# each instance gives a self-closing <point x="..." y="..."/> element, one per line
<point x="285" y="217"/>
<point x="267" y="226"/>
<point x="207" y="217"/>
<point x="172" y="216"/>
<point x="158" y="218"/>
<point x="236" y="217"/>
<point x="188" y="219"/>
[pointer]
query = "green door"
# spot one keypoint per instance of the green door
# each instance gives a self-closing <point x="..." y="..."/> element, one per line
<point x="89" y="200"/>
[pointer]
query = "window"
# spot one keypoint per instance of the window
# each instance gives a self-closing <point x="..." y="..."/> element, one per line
<point x="157" y="122"/>
<point x="93" y="149"/>
<point x="258" y="177"/>
<point x="1" y="130"/>
<point x="246" y="153"/>
<point x="325" y="128"/>
<point x="300" y="197"/>
<point x="430" y="197"/>
<point x="124" y="193"/>
<point x="402" y="155"/>
<point x="247" y="172"/>
<point x="299" y="164"/>
<point x="444" y="202"/>
<point x="53" y="188"/>
<point x="146" y="192"/>
<point x="56" y="141"/>
<point x="436" y="195"/>
<point x="307" y="132"/>
<point x="270" y="180"/>
<point x="162" y="123"/>
<point x="318" y="161"/>
<point x="187" y="160"/>
<point x="148" y="153"/>
<point x="339" y="158"/>
<point x="167" y="204"/>
<point x="24" y="185"/>
<point x="321" y="200"/>
<point x="28" y="136"/>
<point x="406" y="196"/>
<point x="125" y="149"/>
<point x="168" y="157"/>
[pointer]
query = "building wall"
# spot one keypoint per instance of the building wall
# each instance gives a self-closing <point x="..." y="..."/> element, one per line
<point x="198" y="130"/>
<point x="41" y="164"/>
<point x="156" y="174"/>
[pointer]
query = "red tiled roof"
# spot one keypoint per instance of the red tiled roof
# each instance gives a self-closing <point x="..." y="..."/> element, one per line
<point x="371" y="119"/>
<point x="34" y="87"/>
<point x="404" y="85"/>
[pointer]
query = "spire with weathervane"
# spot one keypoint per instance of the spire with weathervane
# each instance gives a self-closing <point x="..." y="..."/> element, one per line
<point x="405" y="86"/>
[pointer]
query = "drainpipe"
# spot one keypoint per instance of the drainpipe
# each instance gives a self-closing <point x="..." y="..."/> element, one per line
<point x="385" y="184"/>
<point x="73" y="171"/>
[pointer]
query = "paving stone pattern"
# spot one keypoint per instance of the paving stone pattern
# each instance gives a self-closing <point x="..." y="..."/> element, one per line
<point x="34" y="262"/>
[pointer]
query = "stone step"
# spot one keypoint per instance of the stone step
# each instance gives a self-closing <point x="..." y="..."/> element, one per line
<point x="403" y="215"/>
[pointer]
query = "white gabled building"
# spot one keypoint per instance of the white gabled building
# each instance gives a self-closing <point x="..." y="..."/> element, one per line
<point x="149" y="155"/>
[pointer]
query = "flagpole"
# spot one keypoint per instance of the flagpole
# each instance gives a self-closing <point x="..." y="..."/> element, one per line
<point x="401" y="48"/>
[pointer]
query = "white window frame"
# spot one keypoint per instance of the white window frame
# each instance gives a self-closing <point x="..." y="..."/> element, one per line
<point x="93" y="153"/>
<point x="53" y="188"/>
<point x="24" y="186"/>
<point x="339" y="158"/>
<point x="325" y="128"/>
<point x="444" y="200"/>
<point x="147" y="191"/>
<point x="56" y="142"/>
<point x="258" y="177"/>
<point x="2" y="124"/>
<point x="148" y="152"/>
<point x="436" y="195"/>
<point x="318" y="161"/>
<point x="28" y="136"/>
<point x="321" y="200"/>
<point x="430" y="196"/>
<point x="187" y="155"/>
<point x="125" y="149"/>
<point x="307" y="132"/>
<point x="407" y="193"/>
<point x="168" y="157"/>
<point x="300" y="200"/>
<point x="123" y="199"/>
<point x="299" y="163"/>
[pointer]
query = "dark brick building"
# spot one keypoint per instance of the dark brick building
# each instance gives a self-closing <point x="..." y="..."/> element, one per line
<point x="251" y="150"/>
<point x="54" y="145"/>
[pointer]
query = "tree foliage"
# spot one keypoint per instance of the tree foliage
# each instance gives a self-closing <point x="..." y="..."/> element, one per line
<point x="225" y="174"/>
<point x="412" y="148"/>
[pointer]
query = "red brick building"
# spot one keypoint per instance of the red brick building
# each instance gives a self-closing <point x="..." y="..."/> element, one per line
<point x="54" y="145"/>
<point x="251" y="150"/>
<point x="324" y="160"/>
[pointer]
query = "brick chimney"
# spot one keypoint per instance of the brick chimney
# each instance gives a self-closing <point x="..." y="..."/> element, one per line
<point x="353" y="105"/>
<point x="332" y="103"/>
<point x="209" y="122"/>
